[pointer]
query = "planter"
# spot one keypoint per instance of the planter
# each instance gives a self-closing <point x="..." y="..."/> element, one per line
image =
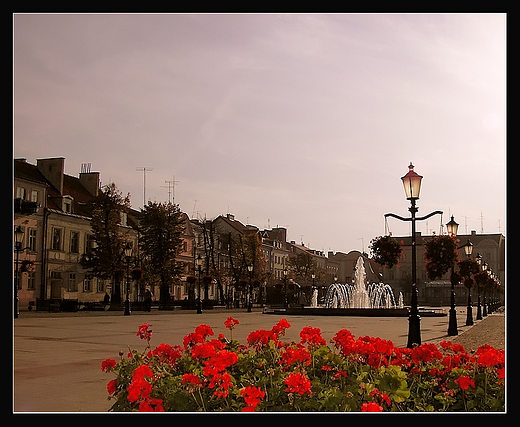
<point x="363" y="374"/>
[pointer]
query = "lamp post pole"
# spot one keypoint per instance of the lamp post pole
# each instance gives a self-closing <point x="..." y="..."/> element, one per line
<point x="199" y="268"/>
<point x="18" y="243"/>
<point x="250" y="293"/>
<point x="285" y="302"/>
<point x="412" y="187"/>
<point x="128" y="256"/>
<point x="452" y="228"/>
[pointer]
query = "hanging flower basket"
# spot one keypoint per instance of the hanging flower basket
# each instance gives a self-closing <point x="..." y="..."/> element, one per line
<point x="440" y="254"/>
<point x="385" y="250"/>
<point x="468" y="268"/>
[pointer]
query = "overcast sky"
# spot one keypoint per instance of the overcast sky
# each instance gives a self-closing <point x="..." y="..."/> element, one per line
<point x="306" y="121"/>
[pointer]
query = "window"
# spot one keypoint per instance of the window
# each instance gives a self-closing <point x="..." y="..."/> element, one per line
<point x="100" y="285"/>
<point x="67" y="205"/>
<point x="72" y="286"/>
<point x="74" y="242"/>
<point x="34" y="196"/>
<point x="87" y="284"/>
<point x="21" y="193"/>
<point x="89" y="243"/>
<point x="56" y="239"/>
<point x="31" y="280"/>
<point x="32" y="239"/>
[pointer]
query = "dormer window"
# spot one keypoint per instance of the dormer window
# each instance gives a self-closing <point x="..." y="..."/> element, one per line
<point x="67" y="204"/>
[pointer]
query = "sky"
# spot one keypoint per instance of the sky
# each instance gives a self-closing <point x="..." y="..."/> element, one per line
<point x="303" y="121"/>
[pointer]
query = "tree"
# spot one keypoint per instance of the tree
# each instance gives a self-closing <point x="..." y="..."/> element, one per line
<point x="161" y="227"/>
<point x="303" y="266"/>
<point x="105" y="259"/>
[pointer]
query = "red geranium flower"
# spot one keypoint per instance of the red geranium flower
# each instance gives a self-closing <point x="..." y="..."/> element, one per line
<point x="297" y="383"/>
<point x="464" y="382"/>
<point x="312" y="336"/>
<point x="252" y="395"/>
<point x="112" y="386"/>
<point x="230" y="323"/>
<point x="143" y="332"/>
<point x="108" y="364"/>
<point x="371" y="407"/>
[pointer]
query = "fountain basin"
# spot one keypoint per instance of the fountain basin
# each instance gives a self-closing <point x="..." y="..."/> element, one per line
<point x="322" y="311"/>
<point x="366" y="312"/>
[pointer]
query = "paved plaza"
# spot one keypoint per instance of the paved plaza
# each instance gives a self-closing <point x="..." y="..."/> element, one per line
<point x="57" y="356"/>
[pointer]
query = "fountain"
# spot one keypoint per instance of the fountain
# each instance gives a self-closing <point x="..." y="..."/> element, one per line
<point x="356" y="299"/>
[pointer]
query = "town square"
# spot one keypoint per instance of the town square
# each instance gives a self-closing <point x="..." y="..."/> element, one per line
<point x="249" y="212"/>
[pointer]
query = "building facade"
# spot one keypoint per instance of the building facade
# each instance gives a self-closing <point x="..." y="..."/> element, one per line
<point x="438" y="292"/>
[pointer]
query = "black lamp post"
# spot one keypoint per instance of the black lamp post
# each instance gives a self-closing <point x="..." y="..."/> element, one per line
<point x="478" y="258"/>
<point x="452" y="228"/>
<point x="18" y="242"/>
<point x="468" y="250"/>
<point x="412" y="188"/>
<point x="285" y="302"/>
<point x="250" y="296"/>
<point x="128" y="257"/>
<point x="484" y="310"/>
<point x="198" y="262"/>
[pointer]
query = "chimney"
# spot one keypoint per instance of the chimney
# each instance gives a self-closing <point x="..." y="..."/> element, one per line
<point x="52" y="169"/>
<point x="90" y="180"/>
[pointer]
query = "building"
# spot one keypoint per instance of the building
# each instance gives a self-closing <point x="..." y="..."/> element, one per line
<point x="274" y="247"/>
<point x="59" y="233"/>
<point x="490" y="246"/>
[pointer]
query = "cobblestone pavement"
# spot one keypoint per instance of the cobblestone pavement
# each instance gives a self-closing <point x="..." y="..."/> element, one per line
<point x="57" y="356"/>
<point x="491" y="330"/>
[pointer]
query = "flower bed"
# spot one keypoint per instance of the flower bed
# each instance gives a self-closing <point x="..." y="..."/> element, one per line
<point x="365" y="374"/>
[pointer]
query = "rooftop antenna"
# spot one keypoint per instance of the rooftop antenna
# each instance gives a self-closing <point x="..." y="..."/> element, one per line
<point x="171" y="189"/>
<point x="466" y="224"/>
<point x="144" y="170"/>
<point x="481" y="223"/>
<point x="194" y="204"/>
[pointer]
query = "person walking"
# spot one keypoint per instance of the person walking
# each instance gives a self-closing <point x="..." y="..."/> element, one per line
<point x="148" y="300"/>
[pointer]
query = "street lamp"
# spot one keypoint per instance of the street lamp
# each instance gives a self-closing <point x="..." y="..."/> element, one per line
<point x="18" y="242"/>
<point x="468" y="250"/>
<point x="452" y="227"/>
<point x="198" y="263"/>
<point x="412" y="188"/>
<point x="285" y="302"/>
<point x="250" y="296"/>
<point x="128" y="257"/>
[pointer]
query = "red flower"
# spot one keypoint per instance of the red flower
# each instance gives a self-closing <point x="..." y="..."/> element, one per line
<point x="297" y="383"/>
<point x="143" y="332"/>
<point x="312" y="336"/>
<point x="151" y="405"/>
<point x="230" y="323"/>
<point x="280" y="327"/>
<point x="464" y="382"/>
<point x="138" y="389"/>
<point x="142" y="371"/>
<point x="371" y="407"/>
<point x="296" y="355"/>
<point x="204" y="330"/>
<point x="489" y="356"/>
<point x="252" y="395"/>
<point x="108" y="364"/>
<point x="191" y="378"/>
<point x="260" y="338"/>
<point x="167" y="353"/>
<point x="112" y="386"/>
<point x="425" y="353"/>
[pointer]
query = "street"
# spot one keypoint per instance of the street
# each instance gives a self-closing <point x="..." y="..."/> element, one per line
<point x="57" y="356"/>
